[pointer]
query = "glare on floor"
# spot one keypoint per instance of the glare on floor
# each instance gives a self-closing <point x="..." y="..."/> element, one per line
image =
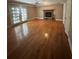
<point x="46" y="35"/>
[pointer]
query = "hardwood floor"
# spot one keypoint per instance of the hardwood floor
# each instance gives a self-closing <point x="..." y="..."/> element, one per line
<point x="38" y="39"/>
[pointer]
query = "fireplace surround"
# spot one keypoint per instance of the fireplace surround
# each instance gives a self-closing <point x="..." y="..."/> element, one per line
<point x="49" y="14"/>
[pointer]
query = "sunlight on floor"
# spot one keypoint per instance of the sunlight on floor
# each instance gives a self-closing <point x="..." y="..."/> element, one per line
<point x="46" y="35"/>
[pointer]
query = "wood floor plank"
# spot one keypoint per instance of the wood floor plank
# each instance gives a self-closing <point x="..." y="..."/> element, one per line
<point x="38" y="39"/>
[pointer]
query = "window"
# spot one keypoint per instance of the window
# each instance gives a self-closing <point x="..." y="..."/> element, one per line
<point x="23" y="14"/>
<point x="18" y="14"/>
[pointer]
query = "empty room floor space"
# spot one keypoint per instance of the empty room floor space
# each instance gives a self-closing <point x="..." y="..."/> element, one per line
<point x="38" y="39"/>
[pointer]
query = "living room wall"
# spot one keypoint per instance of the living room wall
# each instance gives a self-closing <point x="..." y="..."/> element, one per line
<point x="58" y="10"/>
<point x="68" y="21"/>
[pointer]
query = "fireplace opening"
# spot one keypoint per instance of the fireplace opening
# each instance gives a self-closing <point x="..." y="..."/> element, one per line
<point x="49" y="14"/>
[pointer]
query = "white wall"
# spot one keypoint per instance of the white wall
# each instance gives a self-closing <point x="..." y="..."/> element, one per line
<point x="68" y="21"/>
<point x="64" y="12"/>
<point x="57" y="7"/>
<point x="67" y="16"/>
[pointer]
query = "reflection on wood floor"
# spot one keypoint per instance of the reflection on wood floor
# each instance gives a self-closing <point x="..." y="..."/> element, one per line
<point x="38" y="39"/>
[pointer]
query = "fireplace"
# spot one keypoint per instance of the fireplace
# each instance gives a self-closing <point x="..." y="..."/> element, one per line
<point x="49" y="14"/>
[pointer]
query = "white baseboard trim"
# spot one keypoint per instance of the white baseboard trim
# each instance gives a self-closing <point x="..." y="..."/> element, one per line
<point x="59" y="19"/>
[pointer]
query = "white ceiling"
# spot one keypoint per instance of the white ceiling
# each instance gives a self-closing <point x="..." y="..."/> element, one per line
<point x="42" y="2"/>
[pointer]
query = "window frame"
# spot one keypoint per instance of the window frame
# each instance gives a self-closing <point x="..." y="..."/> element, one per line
<point x="21" y="14"/>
